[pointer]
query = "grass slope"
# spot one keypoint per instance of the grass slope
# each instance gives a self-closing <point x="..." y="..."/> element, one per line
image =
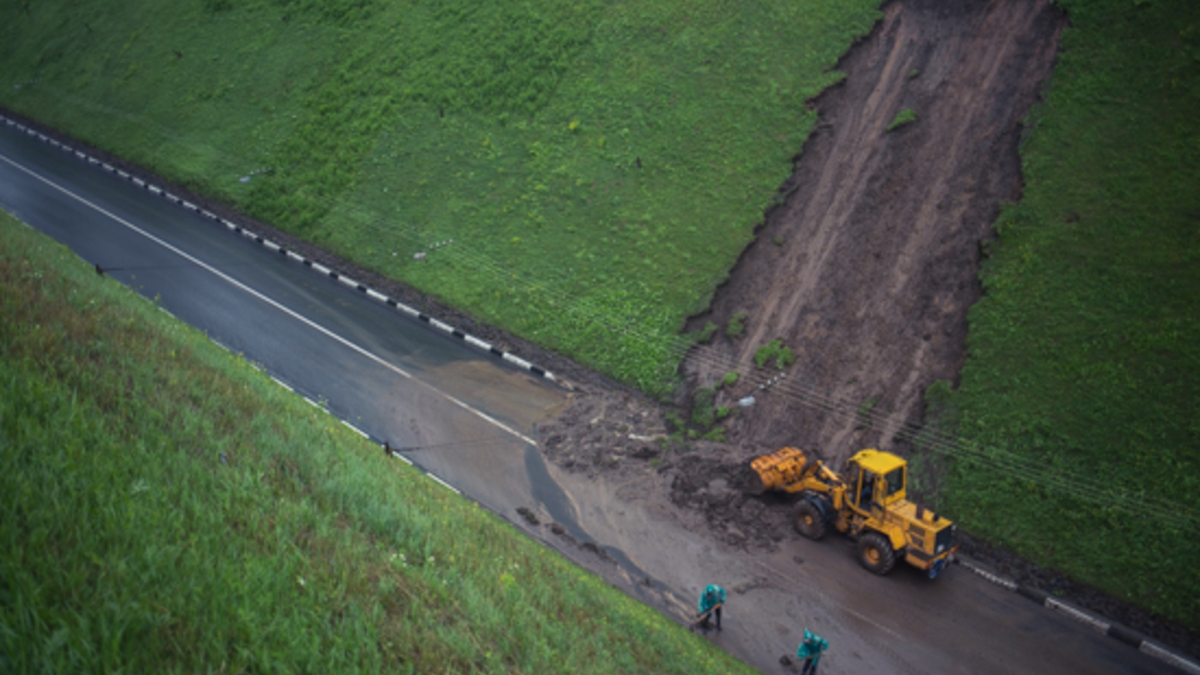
<point x="166" y="508"/>
<point x="597" y="165"/>
<point x="1085" y="350"/>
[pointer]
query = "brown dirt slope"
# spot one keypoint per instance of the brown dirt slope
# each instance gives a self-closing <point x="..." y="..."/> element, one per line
<point x="870" y="264"/>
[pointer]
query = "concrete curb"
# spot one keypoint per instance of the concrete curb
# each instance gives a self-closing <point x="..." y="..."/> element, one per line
<point x="1113" y="630"/>
<point x="277" y="248"/>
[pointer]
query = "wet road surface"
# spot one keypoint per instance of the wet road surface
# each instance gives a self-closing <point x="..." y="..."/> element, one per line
<point x="467" y="417"/>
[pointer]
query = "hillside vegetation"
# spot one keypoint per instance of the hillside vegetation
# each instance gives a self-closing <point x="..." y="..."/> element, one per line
<point x="1083" y="379"/>
<point x="597" y="166"/>
<point x="164" y="507"/>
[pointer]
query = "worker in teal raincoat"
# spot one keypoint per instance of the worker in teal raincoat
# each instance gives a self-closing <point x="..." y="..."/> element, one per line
<point x="710" y="605"/>
<point x="810" y="651"/>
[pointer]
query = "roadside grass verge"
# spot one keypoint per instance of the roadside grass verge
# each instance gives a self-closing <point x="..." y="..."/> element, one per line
<point x="164" y="507"/>
<point x="1085" y="349"/>
<point x="598" y="166"/>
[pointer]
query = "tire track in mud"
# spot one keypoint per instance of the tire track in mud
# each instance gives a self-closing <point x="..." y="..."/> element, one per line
<point x="869" y="267"/>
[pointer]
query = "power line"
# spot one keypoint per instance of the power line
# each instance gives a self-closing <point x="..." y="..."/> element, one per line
<point x="677" y="348"/>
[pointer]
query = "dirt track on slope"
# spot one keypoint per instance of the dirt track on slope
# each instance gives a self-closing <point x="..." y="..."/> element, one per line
<point x="868" y="268"/>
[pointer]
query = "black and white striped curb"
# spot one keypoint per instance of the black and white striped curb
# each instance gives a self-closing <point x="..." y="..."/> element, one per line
<point x="1114" y="630"/>
<point x="277" y="248"/>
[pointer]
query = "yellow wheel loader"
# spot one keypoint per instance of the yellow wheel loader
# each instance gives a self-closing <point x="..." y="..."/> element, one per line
<point x="869" y="502"/>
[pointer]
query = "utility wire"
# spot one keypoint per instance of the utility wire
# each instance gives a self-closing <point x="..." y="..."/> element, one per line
<point x="792" y="387"/>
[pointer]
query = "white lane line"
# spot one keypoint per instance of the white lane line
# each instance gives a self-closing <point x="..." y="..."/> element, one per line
<point x="355" y="429"/>
<point x="277" y="305"/>
<point x="444" y="484"/>
<point x="282" y="383"/>
<point x="312" y="402"/>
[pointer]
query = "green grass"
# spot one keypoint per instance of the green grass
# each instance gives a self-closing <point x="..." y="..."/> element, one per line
<point x="598" y="165"/>
<point x="774" y="351"/>
<point x="1085" y="349"/>
<point x="905" y="116"/>
<point x="127" y="544"/>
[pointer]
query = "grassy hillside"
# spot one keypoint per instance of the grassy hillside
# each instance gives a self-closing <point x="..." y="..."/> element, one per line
<point x="166" y="508"/>
<point x="598" y="165"/>
<point x="1084" y="367"/>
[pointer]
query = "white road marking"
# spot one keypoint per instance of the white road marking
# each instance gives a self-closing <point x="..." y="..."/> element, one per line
<point x="277" y="305"/>
<point x="444" y="484"/>
<point x="355" y="429"/>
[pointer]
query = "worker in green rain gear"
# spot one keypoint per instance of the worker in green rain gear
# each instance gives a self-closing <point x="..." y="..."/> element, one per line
<point x="710" y="605"/>
<point x="810" y="652"/>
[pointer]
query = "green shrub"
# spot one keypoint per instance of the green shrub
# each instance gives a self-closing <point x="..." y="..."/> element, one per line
<point x="737" y="325"/>
<point x="774" y="350"/>
<point x="705" y="335"/>
<point x="905" y="116"/>
<point x="702" y="407"/>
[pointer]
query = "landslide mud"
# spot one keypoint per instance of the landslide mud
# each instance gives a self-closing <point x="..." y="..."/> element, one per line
<point x="868" y="268"/>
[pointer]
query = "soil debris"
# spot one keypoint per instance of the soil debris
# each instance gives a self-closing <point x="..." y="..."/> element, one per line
<point x="868" y="267"/>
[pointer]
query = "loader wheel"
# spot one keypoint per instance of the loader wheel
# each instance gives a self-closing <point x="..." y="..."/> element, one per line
<point x="808" y="519"/>
<point x="875" y="553"/>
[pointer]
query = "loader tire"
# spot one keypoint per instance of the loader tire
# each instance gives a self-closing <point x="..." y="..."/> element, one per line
<point x="808" y="519"/>
<point x="875" y="553"/>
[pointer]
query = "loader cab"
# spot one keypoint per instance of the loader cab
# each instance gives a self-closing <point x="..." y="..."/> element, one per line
<point x="876" y="479"/>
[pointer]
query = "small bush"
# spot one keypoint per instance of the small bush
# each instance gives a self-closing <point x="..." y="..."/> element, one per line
<point x="702" y="407"/>
<point x="774" y="350"/>
<point x="906" y="116"/>
<point x="705" y="335"/>
<point x="730" y="379"/>
<point x="737" y="325"/>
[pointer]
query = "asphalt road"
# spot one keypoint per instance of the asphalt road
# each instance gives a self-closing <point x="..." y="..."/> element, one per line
<point x="393" y="377"/>
<point x="398" y="380"/>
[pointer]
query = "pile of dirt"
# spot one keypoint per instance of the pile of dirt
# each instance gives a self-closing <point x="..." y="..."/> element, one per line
<point x="623" y="436"/>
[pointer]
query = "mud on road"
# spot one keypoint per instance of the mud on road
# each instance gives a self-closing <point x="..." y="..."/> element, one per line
<point x="866" y="269"/>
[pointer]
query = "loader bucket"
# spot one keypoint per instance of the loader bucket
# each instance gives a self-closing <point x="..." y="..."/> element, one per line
<point x="778" y="469"/>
